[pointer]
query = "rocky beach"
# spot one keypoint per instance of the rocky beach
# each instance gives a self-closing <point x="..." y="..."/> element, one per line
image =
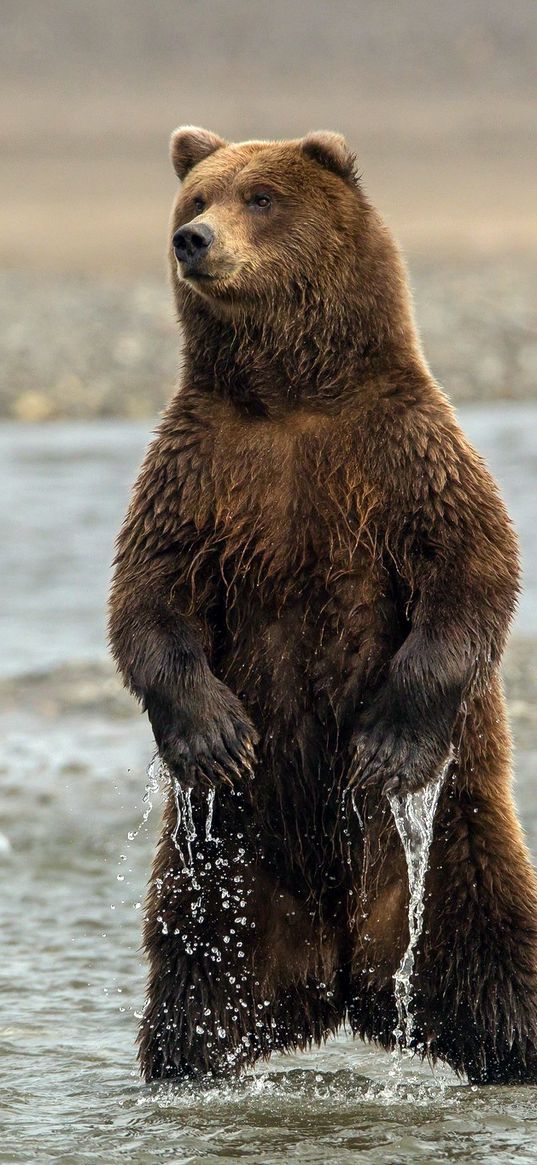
<point x="94" y="348"/>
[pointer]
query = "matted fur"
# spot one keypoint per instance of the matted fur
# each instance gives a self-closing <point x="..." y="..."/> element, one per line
<point x="314" y="584"/>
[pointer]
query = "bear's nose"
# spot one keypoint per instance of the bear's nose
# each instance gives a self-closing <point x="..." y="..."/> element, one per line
<point x="191" y="242"/>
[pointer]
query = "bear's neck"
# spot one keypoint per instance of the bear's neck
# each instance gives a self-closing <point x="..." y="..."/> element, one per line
<point x="311" y="357"/>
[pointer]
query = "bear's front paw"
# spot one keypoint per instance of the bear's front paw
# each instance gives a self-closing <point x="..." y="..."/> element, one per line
<point x="210" y="739"/>
<point x="392" y="761"/>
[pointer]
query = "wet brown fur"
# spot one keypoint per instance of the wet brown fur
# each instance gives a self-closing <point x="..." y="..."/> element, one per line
<point x="317" y="568"/>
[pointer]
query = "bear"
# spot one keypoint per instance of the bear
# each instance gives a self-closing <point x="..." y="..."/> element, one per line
<point x="312" y="592"/>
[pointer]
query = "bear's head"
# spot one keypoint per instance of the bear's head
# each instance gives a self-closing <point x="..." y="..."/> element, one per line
<point x="257" y="219"/>
<point x="277" y="257"/>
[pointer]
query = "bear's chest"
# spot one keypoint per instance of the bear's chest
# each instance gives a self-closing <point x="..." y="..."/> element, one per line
<point x="293" y="541"/>
<point x="293" y="513"/>
<point x="280" y="491"/>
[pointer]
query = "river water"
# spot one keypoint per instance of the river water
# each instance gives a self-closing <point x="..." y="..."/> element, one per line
<point x="72" y="974"/>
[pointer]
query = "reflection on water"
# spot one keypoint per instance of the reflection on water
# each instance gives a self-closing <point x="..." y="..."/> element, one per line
<point x="72" y="982"/>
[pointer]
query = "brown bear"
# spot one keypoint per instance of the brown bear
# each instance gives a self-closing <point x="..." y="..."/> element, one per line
<point x="312" y="592"/>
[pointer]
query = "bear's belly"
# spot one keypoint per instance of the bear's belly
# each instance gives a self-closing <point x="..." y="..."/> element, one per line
<point x="320" y="653"/>
<point x="303" y="667"/>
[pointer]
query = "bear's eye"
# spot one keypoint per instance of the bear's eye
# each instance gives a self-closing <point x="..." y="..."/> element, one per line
<point x="199" y="204"/>
<point x="261" y="201"/>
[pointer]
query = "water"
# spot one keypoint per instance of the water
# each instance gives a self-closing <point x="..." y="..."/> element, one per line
<point x="73" y="809"/>
<point x="414" y="815"/>
<point x="154" y="771"/>
<point x="185" y="819"/>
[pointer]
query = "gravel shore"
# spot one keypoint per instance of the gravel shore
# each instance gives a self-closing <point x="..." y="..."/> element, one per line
<point x="75" y="348"/>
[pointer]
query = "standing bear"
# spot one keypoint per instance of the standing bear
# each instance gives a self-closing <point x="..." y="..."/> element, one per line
<point x="312" y="592"/>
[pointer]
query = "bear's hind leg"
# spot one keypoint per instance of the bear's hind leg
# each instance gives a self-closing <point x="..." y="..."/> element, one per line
<point x="201" y="1016"/>
<point x="474" y="985"/>
<point x="196" y="1024"/>
<point x="476" y="981"/>
<point x="238" y="966"/>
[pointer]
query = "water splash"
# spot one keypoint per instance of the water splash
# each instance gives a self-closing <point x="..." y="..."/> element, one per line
<point x="178" y="818"/>
<point x="414" y="815"/>
<point x="210" y="811"/>
<point x="155" y="771"/>
<point x="184" y="819"/>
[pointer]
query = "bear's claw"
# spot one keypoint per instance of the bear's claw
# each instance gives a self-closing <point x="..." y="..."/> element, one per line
<point x="390" y="763"/>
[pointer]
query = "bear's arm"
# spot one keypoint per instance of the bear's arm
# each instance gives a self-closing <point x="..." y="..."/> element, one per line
<point x="200" y="726"/>
<point x="456" y="555"/>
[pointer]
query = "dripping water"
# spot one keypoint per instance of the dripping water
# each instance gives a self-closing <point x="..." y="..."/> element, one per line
<point x="184" y="819"/>
<point x="414" y="815"/>
<point x="155" y="770"/>
<point x="210" y="810"/>
<point x="178" y="818"/>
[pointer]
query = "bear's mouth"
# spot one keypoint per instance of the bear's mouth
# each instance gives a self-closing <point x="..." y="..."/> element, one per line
<point x="195" y="275"/>
<point x="198" y="276"/>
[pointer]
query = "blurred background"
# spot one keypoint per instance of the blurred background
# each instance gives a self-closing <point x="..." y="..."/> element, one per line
<point x="439" y="102"/>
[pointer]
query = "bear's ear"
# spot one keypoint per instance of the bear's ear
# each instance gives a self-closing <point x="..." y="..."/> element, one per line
<point x="329" y="150"/>
<point x="189" y="145"/>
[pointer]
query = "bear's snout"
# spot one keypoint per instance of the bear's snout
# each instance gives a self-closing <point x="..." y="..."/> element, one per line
<point x="191" y="244"/>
